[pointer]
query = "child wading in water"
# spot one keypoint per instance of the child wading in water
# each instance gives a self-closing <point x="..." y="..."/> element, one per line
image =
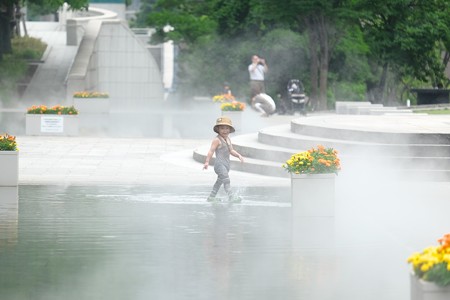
<point x="222" y="147"/>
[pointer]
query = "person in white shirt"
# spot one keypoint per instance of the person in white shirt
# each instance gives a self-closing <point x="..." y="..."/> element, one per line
<point x="257" y="69"/>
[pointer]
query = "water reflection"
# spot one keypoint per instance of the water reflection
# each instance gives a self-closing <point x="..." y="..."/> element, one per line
<point x="146" y="242"/>
<point x="9" y="218"/>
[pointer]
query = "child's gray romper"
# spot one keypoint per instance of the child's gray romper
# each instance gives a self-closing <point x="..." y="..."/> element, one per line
<point x="222" y="167"/>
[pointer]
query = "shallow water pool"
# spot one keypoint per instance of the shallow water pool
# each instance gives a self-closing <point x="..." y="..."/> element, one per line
<point x="141" y="242"/>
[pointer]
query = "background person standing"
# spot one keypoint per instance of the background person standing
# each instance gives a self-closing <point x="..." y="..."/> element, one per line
<point x="257" y="70"/>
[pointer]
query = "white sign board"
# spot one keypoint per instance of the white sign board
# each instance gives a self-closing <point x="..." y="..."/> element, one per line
<point x="53" y="124"/>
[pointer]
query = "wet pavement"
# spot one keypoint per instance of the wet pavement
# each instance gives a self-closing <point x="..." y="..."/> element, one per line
<point x="167" y="242"/>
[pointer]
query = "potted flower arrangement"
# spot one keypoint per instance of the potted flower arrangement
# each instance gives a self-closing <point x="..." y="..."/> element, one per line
<point x="85" y="94"/>
<point x="53" y="110"/>
<point x="55" y="120"/>
<point x="233" y="110"/>
<point x="318" y="160"/>
<point x="91" y="102"/>
<point x="232" y="106"/>
<point x="313" y="175"/>
<point x="224" y="98"/>
<point x="430" y="278"/>
<point x="9" y="161"/>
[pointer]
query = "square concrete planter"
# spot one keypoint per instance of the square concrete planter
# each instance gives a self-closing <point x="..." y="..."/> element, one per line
<point x="92" y="105"/>
<point x="9" y="174"/>
<point x="236" y="119"/>
<point x="56" y="125"/>
<point x="312" y="195"/>
<point x="424" y="290"/>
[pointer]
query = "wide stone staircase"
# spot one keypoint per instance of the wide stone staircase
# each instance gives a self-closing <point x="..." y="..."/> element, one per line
<point x="413" y="147"/>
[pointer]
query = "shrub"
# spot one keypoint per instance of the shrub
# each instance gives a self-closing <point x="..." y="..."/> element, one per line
<point x="28" y="48"/>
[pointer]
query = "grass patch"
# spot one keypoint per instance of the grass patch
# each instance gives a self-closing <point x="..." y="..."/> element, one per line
<point x="28" y="48"/>
<point x="13" y="67"/>
<point x="442" y="111"/>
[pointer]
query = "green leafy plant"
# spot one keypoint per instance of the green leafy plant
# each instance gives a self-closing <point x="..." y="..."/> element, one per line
<point x="433" y="263"/>
<point x="232" y="106"/>
<point x="54" y="110"/>
<point x="85" y="94"/>
<point x="8" y="143"/>
<point x="28" y="48"/>
<point x="318" y="160"/>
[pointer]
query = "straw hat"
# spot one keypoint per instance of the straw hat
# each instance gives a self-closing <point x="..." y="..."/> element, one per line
<point x="223" y="121"/>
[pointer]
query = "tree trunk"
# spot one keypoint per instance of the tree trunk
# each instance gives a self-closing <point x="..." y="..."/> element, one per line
<point x="320" y="56"/>
<point x="379" y="93"/>
<point x="6" y="11"/>
<point x="314" y="62"/>
<point x="323" y="80"/>
<point x="324" y="60"/>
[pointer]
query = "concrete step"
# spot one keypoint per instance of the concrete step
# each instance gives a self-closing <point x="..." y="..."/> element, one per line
<point x="266" y="151"/>
<point x="394" y="129"/>
<point x="249" y="146"/>
<point x="250" y="165"/>
<point x="283" y="136"/>
<point x="351" y="168"/>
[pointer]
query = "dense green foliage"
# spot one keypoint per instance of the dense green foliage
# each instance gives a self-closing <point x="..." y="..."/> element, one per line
<point x="443" y="111"/>
<point x="341" y="50"/>
<point x="407" y="39"/>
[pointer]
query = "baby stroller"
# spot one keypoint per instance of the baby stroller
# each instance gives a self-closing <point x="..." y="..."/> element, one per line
<point x="297" y="99"/>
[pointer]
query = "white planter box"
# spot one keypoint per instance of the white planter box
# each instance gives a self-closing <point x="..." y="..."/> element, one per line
<point x="92" y="105"/>
<point x="9" y="174"/>
<point x="59" y="125"/>
<point x="312" y="195"/>
<point x="236" y="119"/>
<point x="424" y="290"/>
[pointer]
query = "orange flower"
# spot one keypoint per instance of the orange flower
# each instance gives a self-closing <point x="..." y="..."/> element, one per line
<point x="445" y="241"/>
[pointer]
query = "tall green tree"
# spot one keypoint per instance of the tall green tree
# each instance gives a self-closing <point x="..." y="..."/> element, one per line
<point x="182" y="21"/>
<point x="325" y="23"/>
<point x="408" y="38"/>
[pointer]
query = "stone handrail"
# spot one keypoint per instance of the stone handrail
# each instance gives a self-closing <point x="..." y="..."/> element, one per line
<point x="76" y="26"/>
